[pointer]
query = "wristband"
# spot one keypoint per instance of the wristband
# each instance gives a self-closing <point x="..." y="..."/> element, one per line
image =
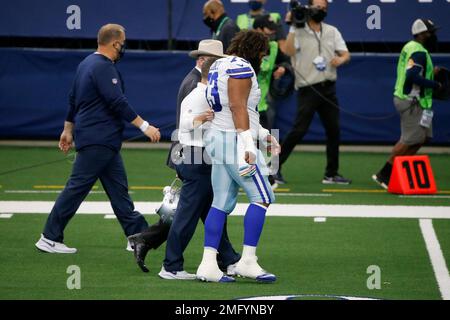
<point x="263" y="133"/>
<point x="247" y="141"/>
<point x="245" y="144"/>
<point x="144" y="126"/>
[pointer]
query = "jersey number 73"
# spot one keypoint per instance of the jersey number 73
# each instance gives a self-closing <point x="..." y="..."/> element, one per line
<point x="214" y="99"/>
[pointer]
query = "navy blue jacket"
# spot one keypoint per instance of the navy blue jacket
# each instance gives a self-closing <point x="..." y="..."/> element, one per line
<point x="97" y="104"/>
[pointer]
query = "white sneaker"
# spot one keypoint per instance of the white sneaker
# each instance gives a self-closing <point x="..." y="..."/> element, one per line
<point x="50" y="246"/>
<point x="249" y="268"/>
<point x="176" y="275"/>
<point x="231" y="270"/>
<point x="129" y="247"/>
<point x="380" y="182"/>
<point x="210" y="272"/>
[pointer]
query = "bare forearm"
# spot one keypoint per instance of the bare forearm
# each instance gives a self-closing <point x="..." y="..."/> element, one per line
<point x="345" y="56"/>
<point x="137" y="122"/>
<point x="240" y="118"/>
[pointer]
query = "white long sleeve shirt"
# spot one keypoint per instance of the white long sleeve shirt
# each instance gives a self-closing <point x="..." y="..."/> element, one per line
<point x="192" y="106"/>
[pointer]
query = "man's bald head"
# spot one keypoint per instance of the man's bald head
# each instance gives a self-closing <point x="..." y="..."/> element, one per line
<point x="109" y="33"/>
<point x="213" y="9"/>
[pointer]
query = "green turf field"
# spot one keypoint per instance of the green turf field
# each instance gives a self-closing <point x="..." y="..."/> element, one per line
<point x="309" y="258"/>
<point x="147" y="175"/>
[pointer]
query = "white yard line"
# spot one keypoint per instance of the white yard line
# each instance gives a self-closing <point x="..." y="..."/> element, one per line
<point x="281" y="210"/>
<point x="6" y="215"/>
<point x="424" y="197"/>
<point x="436" y="257"/>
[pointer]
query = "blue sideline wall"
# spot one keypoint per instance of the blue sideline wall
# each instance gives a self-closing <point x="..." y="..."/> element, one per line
<point x="149" y="19"/>
<point x="34" y="86"/>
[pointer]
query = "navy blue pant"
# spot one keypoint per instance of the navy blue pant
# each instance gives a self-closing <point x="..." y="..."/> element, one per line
<point x="195" y="201"/>
<point x="309" y="102"/>
<point x="92" y="163"/>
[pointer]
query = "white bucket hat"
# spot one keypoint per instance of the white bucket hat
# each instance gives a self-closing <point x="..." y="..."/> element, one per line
<point x="208" y="47"/>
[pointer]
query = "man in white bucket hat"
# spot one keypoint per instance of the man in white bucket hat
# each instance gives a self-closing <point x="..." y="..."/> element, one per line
<point x="196" y="193"/>
<point x="206" y="48"/>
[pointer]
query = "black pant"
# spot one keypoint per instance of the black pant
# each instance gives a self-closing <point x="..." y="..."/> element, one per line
<point x="309" y="102"/>
<point x="92" y="163"/>
<point x="195" y="201"/>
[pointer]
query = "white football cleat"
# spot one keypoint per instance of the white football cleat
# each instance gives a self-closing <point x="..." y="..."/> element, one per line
<point x="231" y="270"/>
<point x="176" y="275"/>
<point x="50" y="246"/>
<point x="210" y="272"/>
<point x="249" y="268"/>
<point x="129" y="247"/>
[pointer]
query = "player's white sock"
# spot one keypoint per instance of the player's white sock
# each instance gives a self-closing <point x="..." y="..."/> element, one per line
<point x="248" y="266"/>
<point x="208" y="270"/>
<point x="248" y="252"/>
<point x="209" y="255"/>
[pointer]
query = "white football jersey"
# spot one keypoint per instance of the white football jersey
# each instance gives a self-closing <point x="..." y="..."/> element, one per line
<point x="217" y="92"/>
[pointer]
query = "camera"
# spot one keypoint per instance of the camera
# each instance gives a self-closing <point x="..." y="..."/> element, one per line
<point x="300" y="13"/>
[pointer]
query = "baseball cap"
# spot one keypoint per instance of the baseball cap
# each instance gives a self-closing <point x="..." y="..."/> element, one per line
<point x="422" y="25"/>
<point x="264" y="21"/>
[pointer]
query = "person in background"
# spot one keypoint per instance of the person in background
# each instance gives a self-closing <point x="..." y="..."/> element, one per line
<point x="319" y="50"/>
<point x="413" y="96"/>
<point x="223" y="28"/>
<point x="246" y="21"/>
<point x="274" y="65"/>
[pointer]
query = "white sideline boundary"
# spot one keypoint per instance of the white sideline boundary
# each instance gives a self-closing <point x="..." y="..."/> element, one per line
<point x="280" y="210"/>
<point x="436" y="257"/>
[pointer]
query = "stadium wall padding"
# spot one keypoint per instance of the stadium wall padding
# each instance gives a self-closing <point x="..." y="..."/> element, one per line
<point x="34" y="84"/>
<point x="149" y="19"/>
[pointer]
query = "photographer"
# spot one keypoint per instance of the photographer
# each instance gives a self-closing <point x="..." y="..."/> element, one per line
<point x="318" y="50"/>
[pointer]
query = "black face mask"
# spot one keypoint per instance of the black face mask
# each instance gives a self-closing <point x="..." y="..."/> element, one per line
<point x="318" y="15"/>
<point x="121" y="51"/>
<point x="210" y="23"/>
<point x="431" y="43"/>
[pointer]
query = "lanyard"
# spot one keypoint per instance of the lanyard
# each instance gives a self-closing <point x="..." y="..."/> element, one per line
<point x="319" y="40"/>
<point x="220" y="26"/>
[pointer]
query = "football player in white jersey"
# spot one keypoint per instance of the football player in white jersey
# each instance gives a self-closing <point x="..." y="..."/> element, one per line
<point x="234" y="94"/>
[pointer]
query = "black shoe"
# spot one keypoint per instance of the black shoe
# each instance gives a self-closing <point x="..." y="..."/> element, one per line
<point x="381" y="181"/>
<point x="140" y="250"/>
<point x="272" y="182"/>
<point x="278" y="178"/>
<point x="337" y="179"/>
